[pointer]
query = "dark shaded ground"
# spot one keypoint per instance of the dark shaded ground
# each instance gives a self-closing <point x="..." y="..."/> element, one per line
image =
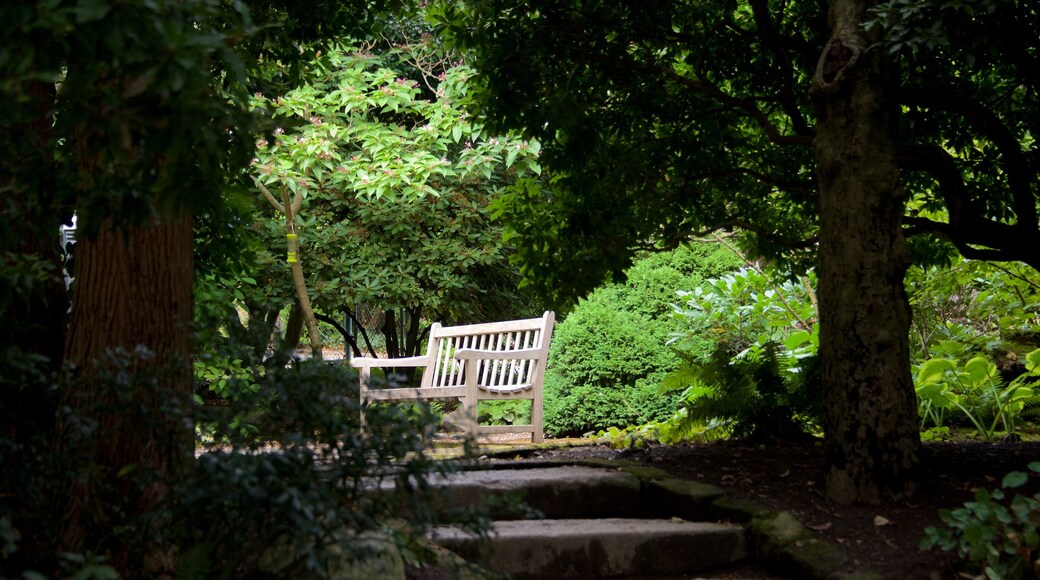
<point x="790" y="477"/>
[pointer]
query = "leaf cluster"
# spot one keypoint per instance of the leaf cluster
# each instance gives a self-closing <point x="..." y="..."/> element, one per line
<point x="983" y="305"/>
<point x="283" y="486"/>
<point x="664" y="119"/>
<point x="993" y="535"/>
<point x="978" y="391"/>
<point x="748" y="343"/>
<point x="668" y="119"/>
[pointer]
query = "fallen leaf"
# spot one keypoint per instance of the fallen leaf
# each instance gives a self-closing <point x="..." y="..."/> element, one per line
<point x="821" y="527"/>
<point x="786" y="473"/>
<point x="880" y="521"/>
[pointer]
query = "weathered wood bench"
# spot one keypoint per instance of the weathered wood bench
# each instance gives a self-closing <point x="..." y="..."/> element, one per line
<point x="475" y="362"/>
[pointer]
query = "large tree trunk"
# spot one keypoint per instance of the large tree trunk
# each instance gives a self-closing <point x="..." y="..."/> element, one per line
<point x="870" y="416"/>
<point x="134" y="289"/>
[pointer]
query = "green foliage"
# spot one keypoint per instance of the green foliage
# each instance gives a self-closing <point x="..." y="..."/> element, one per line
<point x="669" y="432"/>
<point x="397" y="179"/>
<point x="584" y="409"/>
<point x="748" y="310"/>
<point x="759" y="376"/>
<point x="283" y="465"/>
<point x="923" y="26"/>
<point x="504" y="412"/>
<point x="639" y="140"/>
<point x="608" y="355"/>
<point x="994" y="536"/>
<point x="982" y="305"/>
<point x="650" y="134"/>
<point x="978" y="391"/>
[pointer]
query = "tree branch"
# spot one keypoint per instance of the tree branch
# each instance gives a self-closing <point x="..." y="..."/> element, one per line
<point x="1021" y="174"/>
<point x="936" y="161"/>
<point x="983" y="240"/>
<point x="267" y="195"/>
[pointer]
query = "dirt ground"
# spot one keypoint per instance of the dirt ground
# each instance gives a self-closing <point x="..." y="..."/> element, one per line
<point x="790" y="477"/>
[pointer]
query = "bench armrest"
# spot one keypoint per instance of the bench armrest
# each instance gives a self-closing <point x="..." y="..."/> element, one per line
<point x="523" y="354"/>
<point x="408" y="361"/>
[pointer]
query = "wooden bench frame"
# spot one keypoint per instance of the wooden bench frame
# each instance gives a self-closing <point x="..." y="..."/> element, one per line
<point x="475" y="362"/>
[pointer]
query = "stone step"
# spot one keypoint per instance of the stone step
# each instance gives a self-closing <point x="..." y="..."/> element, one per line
<point x="573" y="491"/>
<point x="586" y="548"/>
<point x="554" y="492"/>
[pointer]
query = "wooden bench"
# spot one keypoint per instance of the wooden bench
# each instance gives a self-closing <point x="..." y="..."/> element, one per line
<point x="475" y="362"/>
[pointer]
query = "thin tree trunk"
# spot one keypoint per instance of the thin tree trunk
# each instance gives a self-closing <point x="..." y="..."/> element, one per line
<point x="289" y="208"/>
<point x="134" y="290"/>
<point x="870" y="418"/>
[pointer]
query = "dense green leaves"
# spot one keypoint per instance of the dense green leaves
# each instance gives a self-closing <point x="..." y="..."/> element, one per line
<point x="993" y="535"/>
<point x="396" y="179"/>
<point x="609" y="354"/>
<point x="658" y="119"/>
<point x="748" y="341"/>
<point x="664" y="118"/>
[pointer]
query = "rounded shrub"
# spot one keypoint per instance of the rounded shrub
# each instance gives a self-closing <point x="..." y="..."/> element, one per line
<point x="611" y="352"/>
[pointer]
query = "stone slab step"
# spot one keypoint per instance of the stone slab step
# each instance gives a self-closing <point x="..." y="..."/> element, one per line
<point x="582" y="548"/>
<point x="556" y="492"/>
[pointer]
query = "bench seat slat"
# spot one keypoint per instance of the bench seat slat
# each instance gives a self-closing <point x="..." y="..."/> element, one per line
<point x="403" y="393"/>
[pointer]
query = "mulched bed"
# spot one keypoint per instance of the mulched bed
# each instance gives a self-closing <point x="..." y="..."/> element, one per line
<point x="790" y="477"/>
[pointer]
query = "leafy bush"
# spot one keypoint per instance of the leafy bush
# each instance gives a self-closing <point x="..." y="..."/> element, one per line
<point x="609" y="353"/>
<point x="278" y="492"/>
<point x="980" y="305"/>
<point x="505" y="412"/>
<point x="760" y="377"/>
<point x="587" y="409"/>
<point x="997" y="538"/>
<point x="978" y="391"/>
<point x="398" y="180"/>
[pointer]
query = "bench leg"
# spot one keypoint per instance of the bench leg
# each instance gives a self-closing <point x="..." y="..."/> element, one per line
<point x="469" y="401"/>
<point x="537" y="436"/>
<point x="363" y="380"/>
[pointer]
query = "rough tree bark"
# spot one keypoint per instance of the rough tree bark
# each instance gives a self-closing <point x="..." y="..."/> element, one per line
<point x="134" y="291"/>
<point x="870" y="419"/>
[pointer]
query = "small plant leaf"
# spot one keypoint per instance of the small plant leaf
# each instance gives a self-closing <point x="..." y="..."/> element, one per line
<point x="1014" y="479"/>
<point x="934" y="368"/>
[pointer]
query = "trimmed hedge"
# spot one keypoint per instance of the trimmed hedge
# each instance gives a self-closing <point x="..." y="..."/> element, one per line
<point x="610" y="353"/>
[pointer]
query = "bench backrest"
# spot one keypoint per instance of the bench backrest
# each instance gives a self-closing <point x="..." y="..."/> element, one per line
<point x="503" y="376"/>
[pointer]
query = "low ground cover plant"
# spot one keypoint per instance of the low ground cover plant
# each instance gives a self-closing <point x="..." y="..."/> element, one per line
<point x="976" y="392"/>
<point x="995" y="535"/>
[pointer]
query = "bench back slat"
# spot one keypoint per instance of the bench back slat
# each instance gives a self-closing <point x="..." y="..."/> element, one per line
<point x="500" y="375"/>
